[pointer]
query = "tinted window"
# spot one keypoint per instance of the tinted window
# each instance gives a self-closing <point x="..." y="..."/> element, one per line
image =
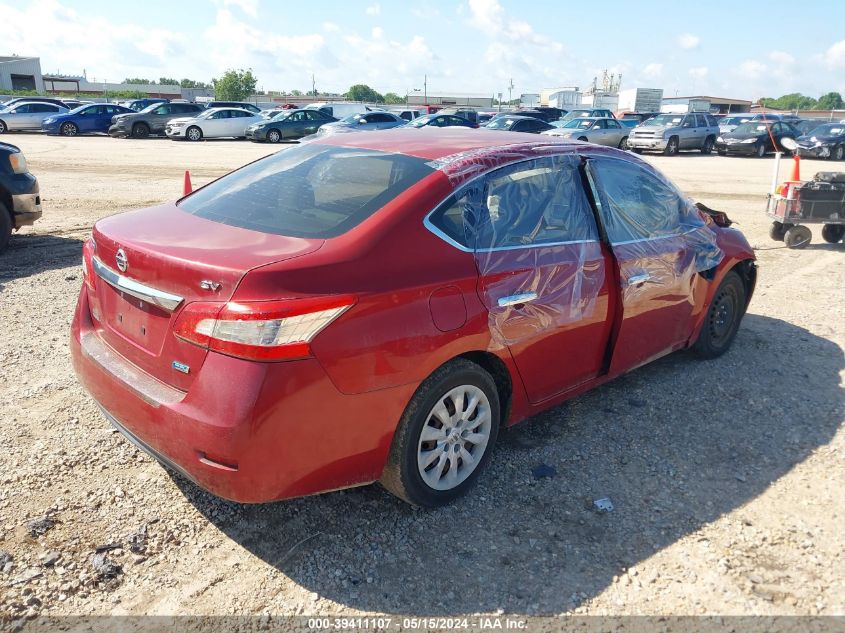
<point x="634" y="203"/>
<point x="380" y="118"/>
<point x="23" y="109"/>
<point x="314" y="116"/>
<point x="299" y="116"/>
<point x="612" y="125"/>
<point x="311" y="191"/>
<point x="711" y="121"/>
<point x="535" y="202"/>
<point x="164" y="109"/>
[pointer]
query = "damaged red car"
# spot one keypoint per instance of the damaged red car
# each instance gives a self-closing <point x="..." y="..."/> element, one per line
<point x="376" y="307"/>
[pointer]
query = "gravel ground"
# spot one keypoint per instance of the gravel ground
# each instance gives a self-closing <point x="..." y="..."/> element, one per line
<point x="726" y="477"/>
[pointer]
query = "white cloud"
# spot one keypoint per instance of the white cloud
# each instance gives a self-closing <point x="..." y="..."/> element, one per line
<point x="653" y="70"/>
<point x="752" y="69"/>
<point x="250" y="7"/>
<point x="331" y="27"/>
<point x="377" y="32"/>
<point x="782" y="58"/>
<point x="699" y="72"/>
<point x="373" y="9"/>
<point x="428" y="13"/>
<point x="688" y="41"/>
<point x="834" y="57"/>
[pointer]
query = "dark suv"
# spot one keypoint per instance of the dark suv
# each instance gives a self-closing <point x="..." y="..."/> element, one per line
<point x="20" y="202"/>
<point x="151" y="120"/>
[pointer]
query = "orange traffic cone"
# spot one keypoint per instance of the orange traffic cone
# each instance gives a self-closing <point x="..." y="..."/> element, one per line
<point x="796" y="169"/>
<point x="187" y="187"/>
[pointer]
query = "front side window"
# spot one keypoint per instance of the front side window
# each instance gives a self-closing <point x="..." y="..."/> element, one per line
<point x="309" y="191"/>
<point x="635" y="204"/>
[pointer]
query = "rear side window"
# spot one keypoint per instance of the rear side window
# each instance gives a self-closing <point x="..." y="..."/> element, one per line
<point x="309" y="191"/>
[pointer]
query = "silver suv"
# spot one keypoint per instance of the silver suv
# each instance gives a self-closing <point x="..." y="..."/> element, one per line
<point x="669" y="133"/>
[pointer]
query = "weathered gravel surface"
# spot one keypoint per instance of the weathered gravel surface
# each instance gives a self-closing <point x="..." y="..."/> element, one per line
<point x="727" y="478"/>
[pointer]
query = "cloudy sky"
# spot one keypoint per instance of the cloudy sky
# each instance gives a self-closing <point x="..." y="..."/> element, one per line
<point x="720" y="48"/>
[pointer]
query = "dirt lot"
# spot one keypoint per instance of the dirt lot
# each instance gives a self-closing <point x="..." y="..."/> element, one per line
<point x="727" y="477"/>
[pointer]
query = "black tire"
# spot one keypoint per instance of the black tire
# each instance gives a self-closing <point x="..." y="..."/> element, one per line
<point x="797" y="236"/>
<point x="69" y="129"/>
<point x="3" y="127"/>
<point x="623" y="144"/>
<point x="723" y="318"/>
<point x="722" y="152"/>
<point x="274" y="136"/>
<point x="140" y="130"/>
<point x="636" y="150"/>
<point x="709" y="142"/>
<point x="776" y="231"/>
<point x="833" y="233"/>
<point x="193" y="133"/>
<point x="583" y="138"/>
<point x="760" y="150"/>
<point x="671" y="146"/>
<point x="5" y="227"/>
<point x="838" y="153"/>
<point x="401" y="475"/>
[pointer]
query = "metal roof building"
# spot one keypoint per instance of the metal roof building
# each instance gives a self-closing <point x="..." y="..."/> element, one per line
<point x="21" y="73"/>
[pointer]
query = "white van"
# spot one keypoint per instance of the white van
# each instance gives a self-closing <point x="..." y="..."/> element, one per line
<point x="339" y="109"/>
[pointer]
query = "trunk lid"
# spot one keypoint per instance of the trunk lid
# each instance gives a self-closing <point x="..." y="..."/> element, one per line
<point x="170" y="253"/>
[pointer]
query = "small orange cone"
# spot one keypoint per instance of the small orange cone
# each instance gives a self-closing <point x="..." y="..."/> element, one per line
<point x="796" y="169"/>
<point x="187" y="187"/>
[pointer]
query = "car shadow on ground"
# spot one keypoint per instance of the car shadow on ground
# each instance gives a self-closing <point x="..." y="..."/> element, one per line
<point x="675" y="445"/>
<point x="31" y="253"/>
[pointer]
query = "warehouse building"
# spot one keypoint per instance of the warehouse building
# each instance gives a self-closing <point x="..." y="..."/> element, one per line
<point x="451" y="99"/>
<point x="701" y="103"/>
<point x="21" y="73"/>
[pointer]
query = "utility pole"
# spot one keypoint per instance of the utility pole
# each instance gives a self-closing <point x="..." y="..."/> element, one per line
<point x="510" y="93"/>
<point x="425" y="88"/>
<point x="313" y="86"/>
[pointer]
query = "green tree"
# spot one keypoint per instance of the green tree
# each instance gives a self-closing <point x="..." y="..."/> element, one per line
<point x="190" y="83"/>
<point x="362" y="92"/>
<point x="792" y="101"/>
<point x="167" y="81"/>
<point x="136" y="80"/>
<point x="234" y="85"/>
<point x="392" y="97"/>
<point x="296" y="93"/>
<point x="830" y="101"/>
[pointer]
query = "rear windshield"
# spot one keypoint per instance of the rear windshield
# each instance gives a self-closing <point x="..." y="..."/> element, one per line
<point x="309" y="191"/>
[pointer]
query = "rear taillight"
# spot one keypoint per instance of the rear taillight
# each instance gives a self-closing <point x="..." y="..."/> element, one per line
<point x="260" y="330"/>
<point x="88" y="249"/>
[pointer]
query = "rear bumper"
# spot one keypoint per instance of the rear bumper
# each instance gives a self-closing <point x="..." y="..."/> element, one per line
<point x="245" y="431"/>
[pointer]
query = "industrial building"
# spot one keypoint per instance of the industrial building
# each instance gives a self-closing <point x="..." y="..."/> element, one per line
<point x="451" y="99"/>
<point x="20" y="73"/>
<point x="70" y="85"/>
<point x="565" y="98"/>
<point x="701" y="103"/>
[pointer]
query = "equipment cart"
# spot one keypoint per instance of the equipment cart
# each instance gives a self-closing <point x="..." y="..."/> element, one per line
<point x="797" y="204"/>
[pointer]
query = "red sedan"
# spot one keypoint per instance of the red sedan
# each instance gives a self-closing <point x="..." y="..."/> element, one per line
<point x="374" y="307"/>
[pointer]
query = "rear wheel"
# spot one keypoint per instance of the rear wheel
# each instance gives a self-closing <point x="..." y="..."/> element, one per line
<point x="5" y="227"/>
<point x="3" y="128"/>
<point x="797" y="236"/>
<point x="274" y="136"/>
<point x="760" y="151"/>
<point x="709" y="142"/>
<point x="833" y="233"/>
<point x="582" y="138"/>
<point x="193" y="133"/>
<point x="723" y="318"/>
<point x="838" y="152"/>
<point x="69" y="129"/>
<point x="777" y="231"/>
<point x="623" y="144"/>
<point x="445" y="436"/>
<point x="140" y="130"/>
<point x="671" y="147"/>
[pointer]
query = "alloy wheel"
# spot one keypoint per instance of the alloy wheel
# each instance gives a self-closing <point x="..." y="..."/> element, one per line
<point x="454" y="437"/>
<point x="274" y="136"/>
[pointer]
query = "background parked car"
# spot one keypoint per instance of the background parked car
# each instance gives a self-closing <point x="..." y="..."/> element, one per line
<point x="638" y="117"/>
<point x="141" y="104"/>
<point x="580" y="113"/>
<point x="825" y="141"/>
<point x="755" y="138"/>
<point x="151" y="120"/>
<point x="407" y="114"/>
<point x="441" y="120"/>
<point x="58" y="102"/>
<point x="71" y="104"/>
<point x="469" y="114"/>
<point x="338" y="109"/>
<point x="25" y="115"/>
<point x="530" y="112"/>
<point x="806" y="126"/>
<point x="517" y="124"/>
<point x="241" y="105"/>
<point x="288" y="125"/>
<point x="20" y="201"/>
<point x="366" y="121"/>
<point x="87" y="119"/>
<point x="214" y="123"/>
<point x="670" y="133"/>
<point x="601" y="131"/>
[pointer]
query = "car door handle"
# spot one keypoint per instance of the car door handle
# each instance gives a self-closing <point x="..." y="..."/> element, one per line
<point x="513" y="300"/>
<point x="639" y="280"/>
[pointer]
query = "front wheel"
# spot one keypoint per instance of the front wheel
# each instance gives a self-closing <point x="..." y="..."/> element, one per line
<point x="760" y="152"/>
<point x="193" y="133"/>
<point x="709" y="142"/>
<point x="274" y="136"/>
<point x="141" y="130"/>
<point x="445" y="436"/>
<point x="833" y="233"/>
<point x="3" y="128"/>
<point x="69" y="129"/>
<point x="723" y="318"/>
<point x="671" y="147"/>
<point x="838" y="152"/>
<point x="5" y="227"/>
<point x="798" y="236"/>
<point x="777" y="230"/>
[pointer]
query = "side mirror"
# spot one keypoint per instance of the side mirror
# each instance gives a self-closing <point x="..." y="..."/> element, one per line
<point x="361" y="121"/>
<point x="789" y="143"/>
